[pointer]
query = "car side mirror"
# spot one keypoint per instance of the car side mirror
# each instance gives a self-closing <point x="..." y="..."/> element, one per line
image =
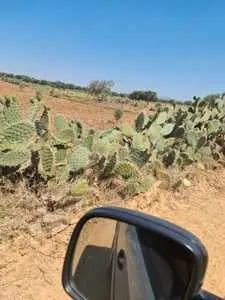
<point x="117" y="254"/>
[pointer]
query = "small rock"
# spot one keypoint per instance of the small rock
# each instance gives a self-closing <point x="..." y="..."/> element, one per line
<point x="186" y="182"/>
<point x="200" y="166"/>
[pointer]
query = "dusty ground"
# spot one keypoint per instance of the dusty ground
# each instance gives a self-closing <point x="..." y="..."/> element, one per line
<point x="30" y="267"/>
<point x="94" y="115"/>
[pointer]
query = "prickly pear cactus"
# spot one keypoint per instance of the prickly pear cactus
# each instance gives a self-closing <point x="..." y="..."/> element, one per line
<point x="186" y="158"/>
<point x="80" y="187"/>
<point x="140" y="122"/>
<point x="101" y="146"/>
<point x="79" y="158"/>
<point x="47" y="160"/>
<point x="167" y="129"/>
<point x="60" y="155"/>
<point x="161" y="118"/>
<point x="60" y="123"/>
<point x="62" y="174"/>
<point x="139" y="157"/>
<point x="127" y="130"/>
<point x="213" y="126"/>
<point x="140" y="141"/>
<point x="192" y="137"/>
<point x="127" y="170"/>
<point x="178" y="132"/>
<point x="154" y="132"/>
<point x="130" y="189"/>
<point x="66" y="136"/>
<point x="145" y="183"/>
<point x="88" y="142"/>
<point x="110" y="165"/>
<point x="123" y="153"/>
<point x="201" y="142"/>
<point x="13" y="158"/>
<point x="42" y="125"/>
<point x="36" y="107"/>
<point x="19" y="132"/>
<point x="11" y="111"/>
<point x="3" y="122"/>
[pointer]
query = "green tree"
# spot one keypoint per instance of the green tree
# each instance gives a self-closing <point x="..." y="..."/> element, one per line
<point x="101" y="88"/>
<point x="149" y="96"/>
<point x="211" y="98"/>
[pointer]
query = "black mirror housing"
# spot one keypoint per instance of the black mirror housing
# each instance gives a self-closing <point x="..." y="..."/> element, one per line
<point x="163" y="230"/>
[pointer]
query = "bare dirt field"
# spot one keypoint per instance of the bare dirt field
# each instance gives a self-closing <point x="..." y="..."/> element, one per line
<point x="30" y="266"/>
<point x="94" y="115"/>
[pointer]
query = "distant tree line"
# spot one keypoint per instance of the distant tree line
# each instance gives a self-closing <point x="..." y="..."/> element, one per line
<point x="53" y="84"/>
<point x="103" y="88"/>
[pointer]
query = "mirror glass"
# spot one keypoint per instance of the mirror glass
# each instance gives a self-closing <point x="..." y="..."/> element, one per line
<point x="115" y="260"/>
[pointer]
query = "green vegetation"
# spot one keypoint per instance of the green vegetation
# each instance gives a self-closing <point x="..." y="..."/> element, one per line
<point x="17" y="79"/>
<point x="101" y="89"/>
<point x="148" y="96"/>
<point x="136" y="155"/>
<point x="118" y="113"/>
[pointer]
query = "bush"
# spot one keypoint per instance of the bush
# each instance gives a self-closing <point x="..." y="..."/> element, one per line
<point x="211" y="98"/>
<point x="118" y="113"/>
<point x="98" y="87"/>
<point x="149" y="96"/>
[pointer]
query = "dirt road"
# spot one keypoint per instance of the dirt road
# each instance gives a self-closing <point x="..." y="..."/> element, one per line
<point x="31" y="269"/>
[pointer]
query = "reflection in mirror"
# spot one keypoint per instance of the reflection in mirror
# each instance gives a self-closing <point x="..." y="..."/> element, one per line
<point x="92" y="257"/>
<point x="114" y="260"/>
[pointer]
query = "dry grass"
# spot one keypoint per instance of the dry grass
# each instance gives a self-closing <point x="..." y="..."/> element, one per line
<point x="31" y="268"/>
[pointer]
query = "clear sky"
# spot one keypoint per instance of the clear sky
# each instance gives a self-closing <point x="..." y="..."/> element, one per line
<point x="175" y="47"/>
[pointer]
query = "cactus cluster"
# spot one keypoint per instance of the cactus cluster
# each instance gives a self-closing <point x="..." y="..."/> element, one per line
<point x="174" y="136"/>
<point x="16" y="134"/>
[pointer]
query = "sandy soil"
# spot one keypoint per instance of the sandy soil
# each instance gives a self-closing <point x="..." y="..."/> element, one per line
<point x="30" y="268"/>
<point x="94" y="115"/>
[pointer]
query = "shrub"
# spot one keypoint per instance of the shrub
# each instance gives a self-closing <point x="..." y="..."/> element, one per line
<point x="100" y="88"/>
<point x="149" y="96"/>
<point x="118" y="113"/>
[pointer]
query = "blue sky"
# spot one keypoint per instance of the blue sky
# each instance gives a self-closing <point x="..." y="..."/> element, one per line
<point x="175" y="47"/>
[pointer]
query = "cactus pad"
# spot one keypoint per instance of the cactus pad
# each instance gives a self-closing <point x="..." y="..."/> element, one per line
<point x="17" y="133"/>
<point x="66" y="136"/>
<point x="36" y="107"/>
<point x="161" y="118"/>
<point x="80" y="188"/>
<point x="47" y="159"/>
<point x="139" y="157"/>
<point x="11" y="111"/>
<point x="167" y="129"/>
<point x="140" y="122"/>
<point x="60" y="123"/>
<point x="13" y="158"/>
<point x="110" y="165"/>
<point x="127" y="170"/>
<point x="127" y="130"/>
<point x="79" y="158"/>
